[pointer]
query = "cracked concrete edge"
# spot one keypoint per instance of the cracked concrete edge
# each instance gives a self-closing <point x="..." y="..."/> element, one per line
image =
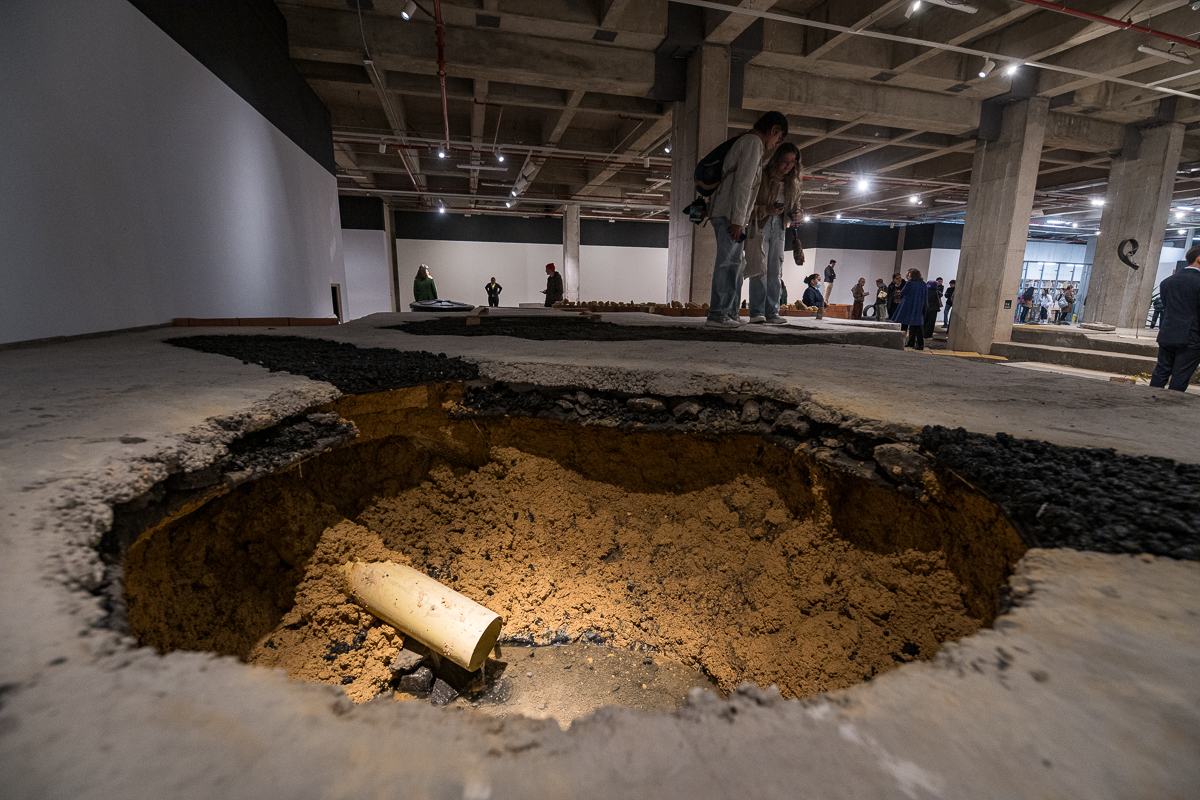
<point x="82" y="506"/>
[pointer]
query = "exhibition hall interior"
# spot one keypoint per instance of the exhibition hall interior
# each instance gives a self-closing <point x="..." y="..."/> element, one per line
<point x="495" y="399"/>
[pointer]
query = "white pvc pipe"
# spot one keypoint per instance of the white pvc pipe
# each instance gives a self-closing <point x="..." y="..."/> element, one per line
<point x="438" y="617"/>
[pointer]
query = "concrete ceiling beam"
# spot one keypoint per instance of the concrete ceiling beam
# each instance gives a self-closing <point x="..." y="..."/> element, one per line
<point x="1088" y="134"/>
<point x="322" y="34"/>
<point x="651" y="135"/>
<point x="953" y="28"/>
<point x="724" y="27"/>
<point x="852" y="16"/>
<point x="840" y="99"/>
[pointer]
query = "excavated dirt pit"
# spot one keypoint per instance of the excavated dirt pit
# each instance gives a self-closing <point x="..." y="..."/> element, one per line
<point x="659" y="562"/>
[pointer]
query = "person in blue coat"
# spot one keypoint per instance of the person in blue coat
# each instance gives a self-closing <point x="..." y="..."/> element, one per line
<point x="911" y="311"/>
<point x="812" y="295"/>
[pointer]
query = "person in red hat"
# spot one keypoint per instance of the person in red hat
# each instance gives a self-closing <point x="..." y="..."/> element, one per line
<point x="554" y="286"/>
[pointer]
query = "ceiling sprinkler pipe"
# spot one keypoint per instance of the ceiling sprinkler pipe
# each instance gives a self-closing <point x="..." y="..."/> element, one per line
<point x="1127" y="24"/>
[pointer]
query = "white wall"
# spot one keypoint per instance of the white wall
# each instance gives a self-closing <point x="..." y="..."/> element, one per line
<point x="851" y="265"/>
<point x="367" y="289"/>
<point x="461" y="269"/>
<point x="1056" y="251"/>
<point x="135" y="186"/>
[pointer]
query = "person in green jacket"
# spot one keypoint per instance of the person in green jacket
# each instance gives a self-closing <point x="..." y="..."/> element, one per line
<point x="423" y="286"/>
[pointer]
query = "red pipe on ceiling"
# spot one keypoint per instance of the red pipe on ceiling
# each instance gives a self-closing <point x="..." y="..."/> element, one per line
<point x="1127" y="24"/>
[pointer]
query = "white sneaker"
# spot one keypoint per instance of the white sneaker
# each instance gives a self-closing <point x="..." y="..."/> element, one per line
<point x="721" y="323"/>
<point x="757" y="320"/>
<point x="776" y="321"/>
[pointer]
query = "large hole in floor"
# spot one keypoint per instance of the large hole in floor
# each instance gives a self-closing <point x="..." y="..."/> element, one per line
<point x="661" y="561"/>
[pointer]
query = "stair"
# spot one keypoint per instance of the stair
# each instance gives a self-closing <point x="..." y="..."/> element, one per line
<point x="1076" y="339"/>
<point x="1069" y="347"/>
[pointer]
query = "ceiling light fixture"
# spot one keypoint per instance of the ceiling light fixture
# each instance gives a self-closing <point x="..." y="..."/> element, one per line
<point x="1012" y="69"/>
<point x="913" y="8"/>
<point x="807" y="218"/>
<point x="441" y="153"/>
<point x="382" y="147"/>
<point x="500" y="156"/>
<point x="1097" y="201"/>
<point x="1182" y="231"/>
<point x="409" y="9"/>
<point x="987" y="68"/>
<point x="863" y="184"/>
<point x="838" y="215"/>
<point x="956" y="5"/>
<point x="915" y="200"/>
<point x="1167" y="54"/>
<point x="667" y="147"/>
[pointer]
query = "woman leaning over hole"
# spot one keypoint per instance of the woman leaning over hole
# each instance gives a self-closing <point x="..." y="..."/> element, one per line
<point x="911" y="311"/>
<point x="776" y="206"/>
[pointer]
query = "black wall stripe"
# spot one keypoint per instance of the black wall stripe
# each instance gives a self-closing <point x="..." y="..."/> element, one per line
<point x="244" y="43"/>
<point x="534" y="230"/>
<point x="361" y="213"/>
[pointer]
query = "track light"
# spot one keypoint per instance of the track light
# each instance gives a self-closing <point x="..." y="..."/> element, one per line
<point x="1169" y="56"/>
<point x="1097" y="201"/>
<point x="1182" y="231"/>
<point x="915" y="200"/>
<point x="988" y="66"/>
<point x="667" y="147"/>
<point x="409" y="9"/>
<point x="912" y="9"/>
<point x="838" y="215"/>
<point x="863" y="184"/>
<point x="508" y="203"/>
<point x="513" y="193"/>
<point x="382" y="147"/>
<point x="441" y="153"/>
<point x="500" y="156"/>
<point x="1012" y="69"/>
<point x="441" y="209"/>
<point x="807" y="218"/>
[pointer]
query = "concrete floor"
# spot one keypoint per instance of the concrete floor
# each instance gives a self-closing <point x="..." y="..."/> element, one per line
<point x="1087" y="688"/>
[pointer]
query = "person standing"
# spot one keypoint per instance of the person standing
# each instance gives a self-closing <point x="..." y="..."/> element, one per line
<point x="949" y="304"/>
<point x="1179" y="338"/>
<point x="1066" y="305"/>
<point x="554" y="286"/>
<point x="1157" y="305"/>
<point x="782" y="293"/>
<point x="493" y="290"/>
<point x="1026" y="303"/>
<point x="932" y="305"/>
<point x="776" y="206"/>
<point x="860" y="294"/>
<point x="731" y="206"/>
<point x="895" y="292"/>
<point x="827" y="288"/>
<point x="424" y="289"/>
<point x="881" y="297"/>
<point x="910" y="313"/>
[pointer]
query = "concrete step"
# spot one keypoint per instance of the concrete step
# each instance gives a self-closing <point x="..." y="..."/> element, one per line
<point x="1077" y="339"/>
<point x="1096" y="360"/>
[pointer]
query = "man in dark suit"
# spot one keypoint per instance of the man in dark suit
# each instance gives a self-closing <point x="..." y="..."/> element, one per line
<point x="1179" y="338"/>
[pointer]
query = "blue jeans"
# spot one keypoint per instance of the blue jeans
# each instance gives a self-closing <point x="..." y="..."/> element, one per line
<point x="764" y="289"/>
<point x="727" y="274"/>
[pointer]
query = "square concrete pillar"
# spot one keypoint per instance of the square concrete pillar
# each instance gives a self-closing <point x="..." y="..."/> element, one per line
<point x="570" y="220"/>
<point x="698" y="124"/>
<point x="1137" y="203"/>
<point x="1003" y="179"/>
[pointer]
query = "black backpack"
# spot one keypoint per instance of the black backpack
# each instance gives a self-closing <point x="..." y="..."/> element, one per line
<point x="708" y="175"/>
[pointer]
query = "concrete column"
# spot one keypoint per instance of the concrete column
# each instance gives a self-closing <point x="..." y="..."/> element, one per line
<point x="1140" y="182"/>
<point x="698" y="124"/>
<point x="899" y="252"/>
<point x="1003" y="179"/>
<point x="571" y="252"/>
<point x="389" y="234"/>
